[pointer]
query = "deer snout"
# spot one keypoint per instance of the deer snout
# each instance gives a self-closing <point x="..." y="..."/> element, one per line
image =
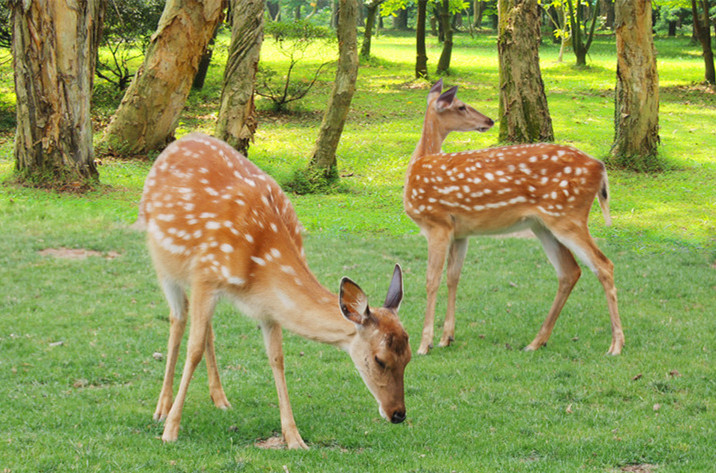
<point x="398" y="417"/>
<point x="486" y="126"/>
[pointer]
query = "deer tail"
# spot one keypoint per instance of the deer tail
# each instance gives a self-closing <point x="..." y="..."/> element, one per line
<point x="603" y="197"/>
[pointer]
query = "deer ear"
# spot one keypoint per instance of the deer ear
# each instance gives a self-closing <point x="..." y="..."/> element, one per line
<point x="446" y="99"/>
<point x="435" y="90"/>
<point x="395" y="291"/>
<point x="353" y="302"/>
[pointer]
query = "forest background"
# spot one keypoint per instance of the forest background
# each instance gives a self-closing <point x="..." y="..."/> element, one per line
<point x="78" y="378"/>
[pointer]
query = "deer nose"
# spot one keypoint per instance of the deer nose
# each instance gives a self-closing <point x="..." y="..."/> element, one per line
<point x="398" y="417"/>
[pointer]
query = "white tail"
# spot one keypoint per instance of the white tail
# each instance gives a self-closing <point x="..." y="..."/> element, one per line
<point x="546" y="187"/>
<point x="220" y="226"/>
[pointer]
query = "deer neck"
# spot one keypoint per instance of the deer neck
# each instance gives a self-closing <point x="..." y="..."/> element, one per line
<point x="302" y="305"/>
<point x="431" y="138"/>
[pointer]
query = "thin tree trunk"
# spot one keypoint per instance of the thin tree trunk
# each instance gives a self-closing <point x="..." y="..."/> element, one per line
<point x="524" y="115"/>
<point x="150" y="109"/>
<point x="421" y="60"/>
<point x="446" y="54"/>
<point x="636" y="114"/>
<point x="237" y="117"/>
<point x="54" y="49"/>
<point x="372" y="10"/>
<point x="702" y="31"/>
<point x="324" y="154"/>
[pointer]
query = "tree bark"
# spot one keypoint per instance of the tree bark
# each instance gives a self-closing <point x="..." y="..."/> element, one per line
<point x="237" y="117"/>
<point x="446" y="54"/>
<point x="324" y="154"/>
<point x="702" y="31"/>
<point x="372" y="11"/>
<point x="421" y="60"/>
<point x="524" y="115"/>
<point x="636" y="114"/>
<point x="150" y="109"/>
<point x="54" y="50"/>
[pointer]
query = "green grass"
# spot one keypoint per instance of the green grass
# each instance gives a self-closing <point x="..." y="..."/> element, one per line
<point x="481" y="405"/>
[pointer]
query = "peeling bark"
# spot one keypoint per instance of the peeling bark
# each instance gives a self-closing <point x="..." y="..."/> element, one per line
<point x="54" y="50"/>
<point x="150" y="109"/>
<point x="636" y="114"/>
<point x="344" y="86"/>
<point x="237" y="116"/>
<point x="524" y="115"/>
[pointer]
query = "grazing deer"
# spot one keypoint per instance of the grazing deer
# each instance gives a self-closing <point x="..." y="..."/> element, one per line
<point x="219" y="226"/>
<point x="545" y="187"/>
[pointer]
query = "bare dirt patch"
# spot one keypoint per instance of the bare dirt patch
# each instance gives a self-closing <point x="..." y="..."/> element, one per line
<point x="271" y="443"/>
<point x="642" y="468"/>
<point x="77" y="253"/>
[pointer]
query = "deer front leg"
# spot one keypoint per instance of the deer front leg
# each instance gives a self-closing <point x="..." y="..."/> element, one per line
<point x="456" y="257"/>
<point x="177" y="319"/>
<point x="438" y="241"/>
<point x="273" y="339"/>
<point x="216" y="390"/>
<point x="202" y="307"/>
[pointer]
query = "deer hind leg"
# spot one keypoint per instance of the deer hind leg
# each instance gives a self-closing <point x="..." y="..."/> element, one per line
<point x="456" y="258"/>
<point x="216" y="390"/>
<point x="438" y="242"/>
<point x="582" y="245"/>
<point x="202" y="303"/>
<point x="273" y="340"/>
<point x="176" y="298"/>
<point x="568" y="273"/>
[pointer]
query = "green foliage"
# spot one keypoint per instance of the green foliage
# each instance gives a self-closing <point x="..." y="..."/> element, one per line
<point x="314" y="181"/>
<point x="128" y="26"/>
<point x="292" y="40"/>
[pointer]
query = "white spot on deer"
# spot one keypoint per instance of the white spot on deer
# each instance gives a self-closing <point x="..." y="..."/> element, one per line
<point x="568" y="170"/>
<point x="517" y="200"/>
<point x="489" y="176"/>
<point x="226" y="248"/>
<point x="532" y="159"/>
<point x="561" y="152"/>
<point x="554" y="194"/>
<point x="166" y="217"/>
<point x="563" y="184"/>
<point x="212" y="225"/>
<point x="259" y="261"/>
<point x="288" y="269"/>
<point x="249" y="238"/>
<point x="478" y="207"/>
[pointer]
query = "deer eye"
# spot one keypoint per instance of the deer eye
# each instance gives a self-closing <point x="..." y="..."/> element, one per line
<point x="380" y="362"/>
<point x="462" y="108"/>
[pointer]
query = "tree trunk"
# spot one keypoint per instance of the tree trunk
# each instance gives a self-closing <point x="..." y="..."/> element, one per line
<point x="421" y="60"/>
<point x="581" y="45"/>
<point x="237" y="117"/>
<point x="372" y="9"/>
<point x="323" y="158"/>
<point x="524" y="115"/>
<point x="479" y="9"/>
<point x="446" y="54"/>
<point x="702" y="31"/>
<point x="204" y="63"/>
<point x="150" y="109"/>
<point x="54" y="49"/>
<point x="636" y="113"/>
<point x="400" y="20"/>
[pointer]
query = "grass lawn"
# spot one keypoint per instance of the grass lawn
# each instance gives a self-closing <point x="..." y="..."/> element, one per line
<point x="78" y="375"/>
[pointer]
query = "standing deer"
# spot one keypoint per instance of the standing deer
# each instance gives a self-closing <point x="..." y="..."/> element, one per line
<point x="219" y="226"/>
<point x="545" y="187"/>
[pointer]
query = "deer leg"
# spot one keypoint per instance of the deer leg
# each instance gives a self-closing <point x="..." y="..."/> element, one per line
<point x="582" y="244"/>
<point x="216" y="390"/>
<point x="568" y="273"/>
<point x="176" y="297"/>
<point x="456" y="257"/>
<point x="438" y="241"/>
<point x="274" y="349"/>
<point x="202" y="307"/>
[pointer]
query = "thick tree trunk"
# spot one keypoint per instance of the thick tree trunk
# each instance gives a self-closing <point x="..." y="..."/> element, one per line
<point x="237" y="117"/>
<point x="54" y="49"/>
<point x="524" y="115"/>
<point x="446" y="54"/>
<point x="636" y="114"/>
<point x="702" y="31"/>
<point x="150" y="109"/>
<point x="324" y="154"/>
<point x="421" y="60"/>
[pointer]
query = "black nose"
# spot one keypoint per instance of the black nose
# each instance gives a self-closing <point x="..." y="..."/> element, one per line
<point x="398" y="417"/>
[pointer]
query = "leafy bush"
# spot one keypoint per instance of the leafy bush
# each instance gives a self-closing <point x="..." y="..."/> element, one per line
<point x="292" y="40"/>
